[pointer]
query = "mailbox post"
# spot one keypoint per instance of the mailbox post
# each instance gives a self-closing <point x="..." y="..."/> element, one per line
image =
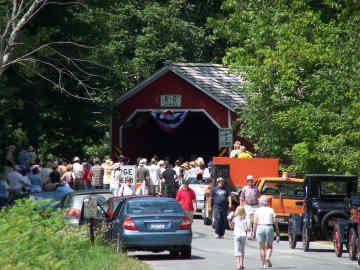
<point x="90" y="214"/>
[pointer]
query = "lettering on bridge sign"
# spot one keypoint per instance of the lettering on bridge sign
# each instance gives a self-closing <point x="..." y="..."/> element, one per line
<point x="124" y="172"/>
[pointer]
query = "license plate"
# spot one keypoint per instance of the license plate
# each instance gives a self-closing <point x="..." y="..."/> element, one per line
<point x="157" y="226"/>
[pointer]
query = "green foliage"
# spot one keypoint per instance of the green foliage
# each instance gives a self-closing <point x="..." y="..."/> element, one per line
<point x="129" y="40"/>
<point x="31" y="238"/>
<point x="300" y="61"/>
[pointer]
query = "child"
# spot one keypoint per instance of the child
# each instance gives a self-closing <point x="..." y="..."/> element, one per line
<point x="237" y="221"/>
<point x="126" y="188"/>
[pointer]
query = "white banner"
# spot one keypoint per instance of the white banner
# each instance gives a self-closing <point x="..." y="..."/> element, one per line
<point x="125" y="171"/>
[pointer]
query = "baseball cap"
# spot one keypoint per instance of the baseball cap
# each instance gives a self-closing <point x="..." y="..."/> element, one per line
<point x="249" y="177"/>
<point x="220" y="179"/>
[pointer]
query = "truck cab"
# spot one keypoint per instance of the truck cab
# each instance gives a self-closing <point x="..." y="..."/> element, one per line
<point x="286" y="196"/>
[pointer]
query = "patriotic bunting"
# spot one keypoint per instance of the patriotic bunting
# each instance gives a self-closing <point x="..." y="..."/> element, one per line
<point x="169" y="120"/>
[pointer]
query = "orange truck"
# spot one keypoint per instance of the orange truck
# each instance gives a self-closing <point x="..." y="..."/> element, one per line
<point x="286" y="196"/>
<point x="234" y="172"/>
<point x="286" y="193"/>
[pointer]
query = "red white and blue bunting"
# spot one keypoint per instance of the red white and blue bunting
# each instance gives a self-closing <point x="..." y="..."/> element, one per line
<point x="169" y="120"/>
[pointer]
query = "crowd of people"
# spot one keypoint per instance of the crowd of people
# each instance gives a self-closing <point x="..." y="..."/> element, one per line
<point x="24" y="174"/>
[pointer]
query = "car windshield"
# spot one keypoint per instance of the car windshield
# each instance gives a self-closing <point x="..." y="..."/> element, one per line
<point x="293" y="189"/>
<point x="153" y="207"/>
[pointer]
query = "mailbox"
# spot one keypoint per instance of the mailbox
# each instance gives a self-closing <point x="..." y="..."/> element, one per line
<point x="90" y="208"/>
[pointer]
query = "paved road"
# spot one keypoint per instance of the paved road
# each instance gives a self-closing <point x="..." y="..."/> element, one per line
<point x="209" y="253"/>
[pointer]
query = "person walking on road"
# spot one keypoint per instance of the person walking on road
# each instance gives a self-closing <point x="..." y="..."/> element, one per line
<point x="155" y="174"/>
<point x="78" y="171"/>
<point x="142" y="176"/>
<point x="187" y="199"/>
<point x="168" y="185"/>
<point x="219" y="202"/>
<point x="249" y="200"/>
<point x="237" y="222"/>
<point x="264" y="223"/>
<point x="97" y="175"/>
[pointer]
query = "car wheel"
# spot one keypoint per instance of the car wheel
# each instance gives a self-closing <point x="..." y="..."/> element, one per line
<point x="338" y="246"/>
<point x="186" y="252"/>
<point x="305" y="238"/>
<point x="353" y="244"/>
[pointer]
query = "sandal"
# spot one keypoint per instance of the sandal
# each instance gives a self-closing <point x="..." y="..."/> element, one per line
<point x="269" y="264"/>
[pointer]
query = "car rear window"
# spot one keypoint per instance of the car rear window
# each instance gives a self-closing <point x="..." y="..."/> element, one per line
<point x="333" y="188"/>
<point x="291" y="189"/>
<point x="153" y="207"/>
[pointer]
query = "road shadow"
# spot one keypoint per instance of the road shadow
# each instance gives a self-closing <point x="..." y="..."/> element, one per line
<point x="162" y="257"/>
<point x="320" y="250"/>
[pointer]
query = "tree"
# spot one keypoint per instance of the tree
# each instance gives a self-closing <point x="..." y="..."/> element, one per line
<point x="36" y="53"/>
<point x="300" y="59"/>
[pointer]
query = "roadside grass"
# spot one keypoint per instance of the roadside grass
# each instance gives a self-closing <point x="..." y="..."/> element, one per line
<point x="33" y="238"/>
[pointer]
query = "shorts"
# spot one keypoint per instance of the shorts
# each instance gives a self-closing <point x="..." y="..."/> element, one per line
<point x="265" y="233"/>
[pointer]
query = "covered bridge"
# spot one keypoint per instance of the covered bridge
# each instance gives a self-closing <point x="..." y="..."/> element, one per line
<point x="181" y="110"/>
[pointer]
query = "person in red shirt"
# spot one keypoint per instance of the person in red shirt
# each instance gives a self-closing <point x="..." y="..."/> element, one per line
<point x="86" y="177"/>
<point x="187" y="199"/>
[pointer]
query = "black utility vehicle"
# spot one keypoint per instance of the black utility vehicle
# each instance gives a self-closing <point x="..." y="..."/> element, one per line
<point x="326" y="200"/>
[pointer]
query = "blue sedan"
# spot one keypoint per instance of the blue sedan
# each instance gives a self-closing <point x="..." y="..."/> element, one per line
<point x="152" y="224"/>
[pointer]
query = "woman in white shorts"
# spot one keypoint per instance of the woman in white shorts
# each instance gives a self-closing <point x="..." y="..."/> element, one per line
<point x="264" y="223"/>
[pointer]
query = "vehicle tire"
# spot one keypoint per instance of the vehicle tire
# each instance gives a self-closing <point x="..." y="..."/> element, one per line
<point x="186" y="252"/>
<point x="305" y="238"/>
<point x="353" y="239"/>
<point x="338" y="246"/>
<point x="328" y="222"/>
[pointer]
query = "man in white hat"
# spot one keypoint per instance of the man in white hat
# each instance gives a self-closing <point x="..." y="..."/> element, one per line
<point x="78" y="170"/>
<point x="249" y="197"/>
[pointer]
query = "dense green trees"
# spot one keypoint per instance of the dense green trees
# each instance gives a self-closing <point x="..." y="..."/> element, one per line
<point x="126" y="41"/>
<point x="301" y="61"/>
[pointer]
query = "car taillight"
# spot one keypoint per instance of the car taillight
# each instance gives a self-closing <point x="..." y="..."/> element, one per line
<point x="73" y="212"/>
<point x="185" y="224"/>
<point x="129" y="224"/>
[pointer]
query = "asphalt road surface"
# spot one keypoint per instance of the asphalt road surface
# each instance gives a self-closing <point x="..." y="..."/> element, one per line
<point x="209" y="253"/>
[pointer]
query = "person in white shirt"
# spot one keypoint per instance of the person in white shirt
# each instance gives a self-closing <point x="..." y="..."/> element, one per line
<point x="16" y="183"/>
<point x="264" y="222"/>
<point x="237" y="221"/>
<point x="126" y="188"/>
<point x="155" y="173"/>
<point x="234" y="153"/>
